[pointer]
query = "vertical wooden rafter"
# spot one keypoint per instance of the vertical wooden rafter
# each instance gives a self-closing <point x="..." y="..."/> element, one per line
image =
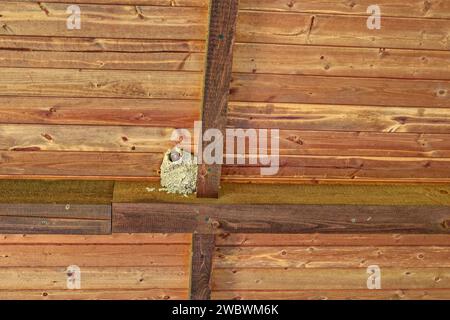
<point x="216" y="87"/>
<point x="201" y="266"/>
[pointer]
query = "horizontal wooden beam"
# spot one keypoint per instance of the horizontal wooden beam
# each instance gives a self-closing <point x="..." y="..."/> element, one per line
<point x="217" y="219"/>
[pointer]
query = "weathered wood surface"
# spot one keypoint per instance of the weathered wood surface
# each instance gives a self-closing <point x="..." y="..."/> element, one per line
<point x="101" y="20"/>
<point x="99" y="83"/>
<point x="201" y="266"/>
<point x="341" y="61"/>
<point x="85" y="138"/>
<point x="399" y="8"/>
<point x="344" y="90"/>
<point x="329" y="117"/>
<point x="216" y="87"/>
<point x="400" y="294"/>
<point x="96" y="111"/>
<point x="341" y="30"/>
<point x="219" y="219"/>
<point x="47" y="218"/>
<point x="167" y="3"/>
<point x="96" y="294"/>
<point x="150" y="266"/>
<point x="326" y="240"/>
<point x="332" y="257"/>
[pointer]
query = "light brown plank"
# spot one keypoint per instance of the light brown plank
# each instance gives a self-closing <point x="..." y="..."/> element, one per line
<point x="434" y="294"/>
<point x="299" y="142"/>
<point x="332" y="117"/>
<point x="323" y="279"/>
<point x="342" y="90"/>
<point x="341" y="167"/>
<point x="85" y="138"/>
<point x="95" y="111"/>
<point x="171" y="61"/>
<point x="99" y="83"/>
<point x="335" y="61"/>
<point x="94" y="278"/>
<point x="94" y="164"/>
<point x="399" y="8"/>
<point x="331" y="257"/>
<point x="110" y="294"/>
<point x="56" y="255"/>
<point x="113" y="239"/>
<point x="341" y="30"/>
<point x="287" y="240"/>
<point x="146" y="22"/>
<point x="93" y="45"/>
<point x="167" y="3"/>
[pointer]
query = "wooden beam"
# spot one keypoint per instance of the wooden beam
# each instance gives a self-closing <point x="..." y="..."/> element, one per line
<point x="219" y="219"/>
<point x="201" y="266"/>
<point x="55" y="219"/>
<point x="219" y="58"/>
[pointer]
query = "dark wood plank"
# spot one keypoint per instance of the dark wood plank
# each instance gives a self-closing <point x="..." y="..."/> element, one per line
<point x="201" y="267"/>
<point x="202" y="218"/>
<point x="55" y="219"/>
<point x="222" y="26"/>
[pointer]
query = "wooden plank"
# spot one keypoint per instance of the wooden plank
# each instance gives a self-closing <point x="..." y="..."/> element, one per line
<point x="324" y="279"/>
<point x="79" y="164"/>
<point x="158" y="217"/>
<point x="341" y="30"/>
<point x="433" y="294"/>
<point x="93" y="45"/>
<point x="288" y="240"/>
<point x="58" y="219"/>
<point x="93" y="278"/>
<point x="113" y="239"/>
<point x="75" y="211"/>
<point x="56" y="192"/>
<point x="217" y="77"/>
<point x="389" y="8"/>
<point x="167" y="3"/>
<point x="170" y="61"/>
<point x="96" y="111"/>
<point x="353" y="168"/>
<point x="100" y="83"/>
<point x="329" y="90"/>
<point x="109" y="294"/>
<point x="336" y="61"/>
<point x="146" y="22"/>
<point x="85" y="138"/>
<point x="57" y="255"/>
<point x="201" y="266"/>
<point x="331" y="257"/>
<point x="287" y="193"/>
<point x="331" y="117"/>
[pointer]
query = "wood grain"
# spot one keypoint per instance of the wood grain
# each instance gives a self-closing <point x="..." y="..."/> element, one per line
<point x="95" y="111"/>
<point x="323" y="279"/>
<point x="324" y="240"/>
<point x="326" y="257"/>
<point x="410" y="294"/>
<point x="100" y="83"/>
<point x="216" y="87"/>
<point x="58" y="219"/>
<point x="101" y="20"/>
<point x="201" y="266"/>
<point x="157" y="217"/>
<point x="397" y="8"/>
<point x="341" y="30"/>
<point x="85" y="138"/>
<point x="167" y="3"/>
<point x="82" y="164"/>
<point x="328" y="90"/>
<point x="341" y="61"/>
<point x="330" y="117"/>
<point x="106" y="294"/>
<point x="47" y="278"/>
